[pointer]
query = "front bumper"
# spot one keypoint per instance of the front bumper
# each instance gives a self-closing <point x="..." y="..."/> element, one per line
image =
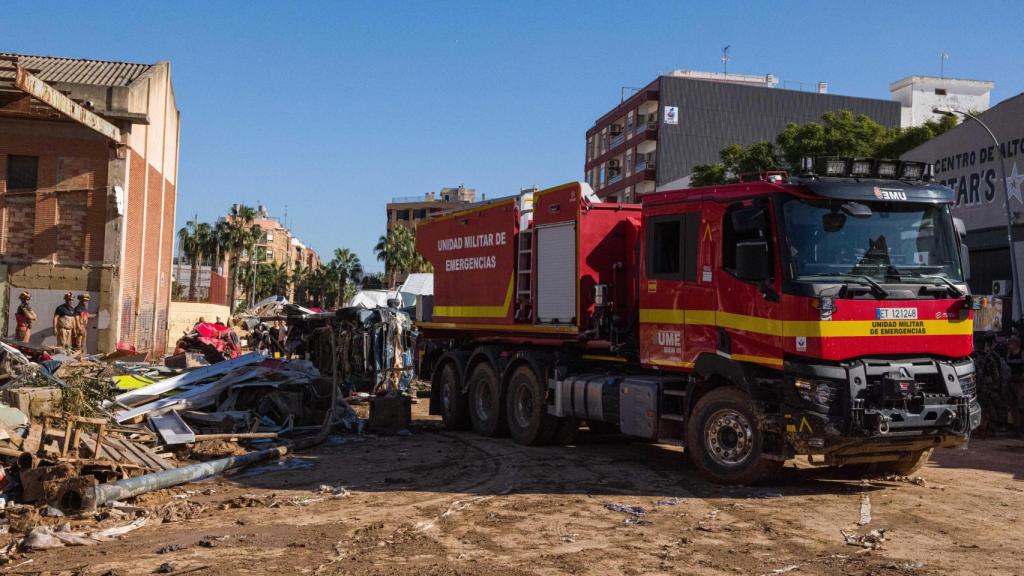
<point x="860" y="420"/>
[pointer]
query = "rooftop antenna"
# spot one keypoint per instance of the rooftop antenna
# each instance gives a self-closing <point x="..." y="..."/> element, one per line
<point x="725" y="59"/>
<point x="942" y="64"/>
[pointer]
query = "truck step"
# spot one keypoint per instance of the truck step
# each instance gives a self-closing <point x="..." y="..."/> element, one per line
<point x="679" y="393"/>
<point x="675" y="417"/>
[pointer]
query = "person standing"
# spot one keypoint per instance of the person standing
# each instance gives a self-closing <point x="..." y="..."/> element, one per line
<point x="81" y="321"/>
<point x="64" y="322"/>
<point x="24" y="317"/>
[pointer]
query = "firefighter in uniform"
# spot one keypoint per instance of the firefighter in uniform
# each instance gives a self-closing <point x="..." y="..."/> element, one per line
<point x="81" y="321"/>
<point x="64" y="322"/>
<point x="25" y="316"/>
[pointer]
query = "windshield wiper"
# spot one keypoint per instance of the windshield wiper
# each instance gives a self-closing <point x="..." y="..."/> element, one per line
<point x="858" y="278"/>
<point x="941" y="280"/>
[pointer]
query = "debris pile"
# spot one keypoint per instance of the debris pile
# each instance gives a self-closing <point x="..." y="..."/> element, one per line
<point x="78" y="435"/>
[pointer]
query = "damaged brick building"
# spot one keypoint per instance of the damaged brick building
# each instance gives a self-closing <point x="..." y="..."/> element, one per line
<point x="88" y="182"/>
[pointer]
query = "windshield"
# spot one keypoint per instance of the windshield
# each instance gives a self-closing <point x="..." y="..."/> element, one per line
<point x="886" y="241"/>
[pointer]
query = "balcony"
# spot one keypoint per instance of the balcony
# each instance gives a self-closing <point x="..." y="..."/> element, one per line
<point x="645" y="126"/>
<point x="614" y="179"/>
<point x="644" y="165"/>
<point x="616" y="141"/>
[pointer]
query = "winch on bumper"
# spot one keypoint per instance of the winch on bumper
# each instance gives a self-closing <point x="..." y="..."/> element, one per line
<point x="871" y="406"/>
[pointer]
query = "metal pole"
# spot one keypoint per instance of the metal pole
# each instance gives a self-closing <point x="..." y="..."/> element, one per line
<point x="1009" y="213"/>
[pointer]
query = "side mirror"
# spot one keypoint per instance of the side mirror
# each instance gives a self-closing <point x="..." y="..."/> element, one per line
<point x="961" y="228"/>
<point x="752" y="260"/>
<point x="748" y="219"/>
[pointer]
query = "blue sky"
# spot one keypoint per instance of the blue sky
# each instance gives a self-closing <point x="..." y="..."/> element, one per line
<point x="332" y="108"/>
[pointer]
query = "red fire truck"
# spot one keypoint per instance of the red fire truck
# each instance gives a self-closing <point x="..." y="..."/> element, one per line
<point x="825" y="314"/>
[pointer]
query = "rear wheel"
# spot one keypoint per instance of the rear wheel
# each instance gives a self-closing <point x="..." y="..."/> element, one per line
<point x="485" y="406"/>
<point x="724" y="441"/>
<point x="454" y="404"/>
<point x="528" y="420"/>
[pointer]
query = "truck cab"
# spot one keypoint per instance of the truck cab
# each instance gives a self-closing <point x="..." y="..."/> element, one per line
<point x="826" y="315"/>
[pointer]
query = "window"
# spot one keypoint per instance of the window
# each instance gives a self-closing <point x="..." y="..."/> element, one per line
<point x="672" y="247"/>
<point x="730" y="238"/>
<point x="419" y="213"/>
<point x="940" y="91"/>
<point x="22" y="172"/>
<point x="268" y="237"/>
<point x="403" y="214"/>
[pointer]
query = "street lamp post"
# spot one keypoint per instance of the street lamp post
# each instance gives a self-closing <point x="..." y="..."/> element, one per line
<point x="1006" y="193"/>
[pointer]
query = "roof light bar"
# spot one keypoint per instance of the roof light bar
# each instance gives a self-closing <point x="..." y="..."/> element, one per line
<point x="867" y="168"/>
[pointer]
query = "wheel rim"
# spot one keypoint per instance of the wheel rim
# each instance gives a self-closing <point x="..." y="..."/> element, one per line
<point x="728" y="437"/>
<point x="483" y="402"/>
<point x="446" y="390"/>
<point x="523" y="404"/>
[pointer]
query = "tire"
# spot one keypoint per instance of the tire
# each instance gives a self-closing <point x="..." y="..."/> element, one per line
<point x="454" y="404"/>
<point x="525" y="404"/>
<point x="486" y="408"/>
<point x="723" y="439"/>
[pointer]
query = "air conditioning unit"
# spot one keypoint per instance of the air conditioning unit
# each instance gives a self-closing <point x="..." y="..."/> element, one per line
<point x="615" y="129"/>
<point x="1001" y="287"/>
<point x="613" y="163"/>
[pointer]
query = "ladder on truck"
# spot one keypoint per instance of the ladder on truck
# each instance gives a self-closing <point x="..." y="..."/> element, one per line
<point x="524" y="270"/>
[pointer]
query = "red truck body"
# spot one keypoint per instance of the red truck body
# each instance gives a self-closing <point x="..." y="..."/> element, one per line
<point x="654" y="295"/>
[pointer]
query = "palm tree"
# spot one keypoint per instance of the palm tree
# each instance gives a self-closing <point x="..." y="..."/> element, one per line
<point x="397" y="250"/>
<point x="194" y="241"/>
<point x="346" y="267"/>
<point x="300" y="277"/>
<point x="234" y="238"/>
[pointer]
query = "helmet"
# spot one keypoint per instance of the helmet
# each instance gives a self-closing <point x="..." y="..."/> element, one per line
<point x="83" y="297"/>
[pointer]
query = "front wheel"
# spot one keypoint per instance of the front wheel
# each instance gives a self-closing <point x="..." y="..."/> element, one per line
<point x="724" y="441"/>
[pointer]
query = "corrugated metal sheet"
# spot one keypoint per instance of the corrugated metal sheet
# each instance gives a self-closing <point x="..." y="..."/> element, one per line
<point x="713" y="115"/>
<point x="79" y="71"/>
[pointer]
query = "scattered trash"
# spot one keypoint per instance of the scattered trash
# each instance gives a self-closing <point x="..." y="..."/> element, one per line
<point x="872" y="540"/>
<point x="668" y="502"/>
<point x="865" y="510"/>
<point x="785" y="569"/>
<point x="636" y="514"/>
<point x="917" y="480"/>
<point x="171" y="548"/>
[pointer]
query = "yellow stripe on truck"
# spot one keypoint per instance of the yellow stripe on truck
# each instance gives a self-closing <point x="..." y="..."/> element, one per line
<point x="499" y="311"/>
<point x="810" y="328"/>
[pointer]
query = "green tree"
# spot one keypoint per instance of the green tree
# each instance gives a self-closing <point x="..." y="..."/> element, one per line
<point x="397" y="250"/>
<point x="837" y="134"/>
<point x="234" y="235"/>
<point x="194" y="242"/>
<point x="346" y="267"/>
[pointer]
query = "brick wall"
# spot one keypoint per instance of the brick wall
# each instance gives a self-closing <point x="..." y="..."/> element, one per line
<point x="69" y="203"/>
<point x="131" y="269"/>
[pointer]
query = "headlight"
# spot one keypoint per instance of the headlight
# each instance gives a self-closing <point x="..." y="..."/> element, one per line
<point x="969" y="385"/>
<point x="816" y="391"/>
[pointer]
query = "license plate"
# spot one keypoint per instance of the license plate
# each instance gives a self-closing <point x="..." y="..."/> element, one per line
<point x="896" y="313"/>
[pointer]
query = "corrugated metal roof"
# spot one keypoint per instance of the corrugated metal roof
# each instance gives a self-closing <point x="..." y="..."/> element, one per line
<point x="79" y="71"/>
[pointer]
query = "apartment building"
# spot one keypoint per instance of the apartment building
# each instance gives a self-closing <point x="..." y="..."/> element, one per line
<point x="407" y="210"/>
<point x="653" y="139"/>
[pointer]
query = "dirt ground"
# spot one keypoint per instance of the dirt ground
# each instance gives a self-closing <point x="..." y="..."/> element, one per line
<point x="440" y="503"/>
